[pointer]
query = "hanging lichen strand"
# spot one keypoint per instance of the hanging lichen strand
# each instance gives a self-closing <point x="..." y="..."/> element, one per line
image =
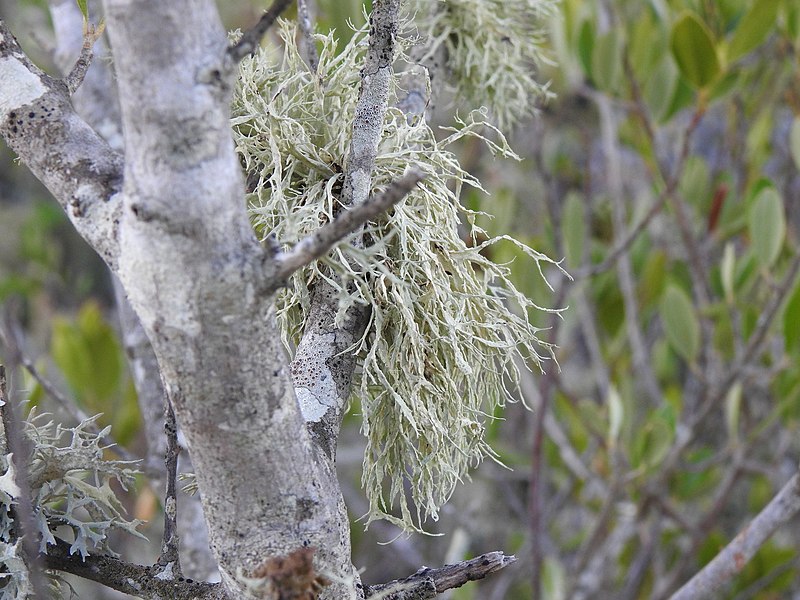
<point x="441" y="344"/>
<point x="492" y="50"/>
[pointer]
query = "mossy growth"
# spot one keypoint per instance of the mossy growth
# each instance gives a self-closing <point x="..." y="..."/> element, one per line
<point x="447" y="328"/>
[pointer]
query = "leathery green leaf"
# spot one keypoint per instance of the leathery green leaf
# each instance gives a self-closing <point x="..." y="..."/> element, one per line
<point x="794" y="142"/>
<point x="767" y="226"/>
<point x="791" y="321"/>
<point x="753" y="28"/>
<point x="680" y="322"/>
<point x="694" y="50"/>
<point x="574" y="228"/>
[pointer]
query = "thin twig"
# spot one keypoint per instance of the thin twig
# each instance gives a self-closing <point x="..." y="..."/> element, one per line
<point x="18" y="452"/>
<point x="307" y="42"/>
<point x="136" y="580"/>
<point x="639" y="350"/>
<point x="75" y="77"/>
<point x="536" y="488"/>
<point x="347" y="222"/>
<point x="730" y="561"/>
<point x="428" y="583"/>
<point x="170" y="555"/>
<point x="765" y="319"/>
<point x="251" y="38"/>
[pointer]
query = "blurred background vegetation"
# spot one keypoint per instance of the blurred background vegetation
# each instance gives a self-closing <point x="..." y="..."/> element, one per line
<point x="665" y="172"/>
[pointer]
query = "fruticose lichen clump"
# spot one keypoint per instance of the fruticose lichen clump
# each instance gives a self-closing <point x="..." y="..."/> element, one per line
<point x="441" y="349"/>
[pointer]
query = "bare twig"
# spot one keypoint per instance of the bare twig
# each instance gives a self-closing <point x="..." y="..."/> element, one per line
<point x="347" y="222"/>
<point x="136" y="580"/>
<point x="639" y="350"/>
<point x="170" y="556"/>
<point x="252" y="38"/>
<point x="18" y="453"/>
<point x="536" y="507"/>
<point x="728" y="563"/>
<point x="307" y="40"/>
<point x="427" y="583"/>
<point x="373" y="101"/>
<point x="75" y="77"/>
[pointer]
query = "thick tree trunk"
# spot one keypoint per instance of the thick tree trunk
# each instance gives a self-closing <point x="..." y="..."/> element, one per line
<point x="201" y="285"/>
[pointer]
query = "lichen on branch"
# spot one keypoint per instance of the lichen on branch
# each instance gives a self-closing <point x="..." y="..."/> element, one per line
<point x="439" y="352"/>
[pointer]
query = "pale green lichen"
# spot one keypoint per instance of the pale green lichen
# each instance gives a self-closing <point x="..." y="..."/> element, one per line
<point x="70" y="482"/>
<point x="439" y="353"/>
<point x="492" y="51"/>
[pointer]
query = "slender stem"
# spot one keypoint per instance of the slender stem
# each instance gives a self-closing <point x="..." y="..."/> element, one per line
<point x="170" y="546"/>
<point x="251" y="38"/>
<point x="18" y="453"/>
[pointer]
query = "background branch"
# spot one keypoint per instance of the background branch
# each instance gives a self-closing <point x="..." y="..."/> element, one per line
<point x="728" y="563"/>
<point x="428" y="583"/>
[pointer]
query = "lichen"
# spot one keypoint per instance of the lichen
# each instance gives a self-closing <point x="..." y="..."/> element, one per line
<point x="492" y="51"/>
<point x="447" y="326"/>
<point x="70" y="482"/>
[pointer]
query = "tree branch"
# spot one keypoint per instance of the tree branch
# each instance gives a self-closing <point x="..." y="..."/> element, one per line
<point x="170" y="557"/>
<point x="75" y="77"/>
<point x="728" y="563"/>
<point x="136" y="580"/>
<point x="252" y="38"/>
<point x="428" y="583"/>
<point x="79" y="168"/>
<point x="349" y="221"/>
<point x="307" y="30"/>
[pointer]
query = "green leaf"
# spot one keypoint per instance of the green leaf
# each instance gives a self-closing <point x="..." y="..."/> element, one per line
<point x="753" y="28"/>
<point x="794" y="142"/>
<point x="767" y="226"/>
<point x="652" y="278"/>
<point x="733" y="409"/>
<point x="726" y="271"/>
<point x="695" y="183"/>
<point x="84" y="9"/>
<point x="88" y="354"/>
<point x="71" y="355"/>
<point x="586" y="45"/>
<point x="653" y="441"/>
<point x="791" y="19"/>
<point x="574" y="228"/>
<point x="616" y="414"/>
<point x="606" y="61"/>
<point x="680" y="322"/>
<point x="694" y="50"/>
<point x="791" y="321"/>
<point x="659" y="88"/>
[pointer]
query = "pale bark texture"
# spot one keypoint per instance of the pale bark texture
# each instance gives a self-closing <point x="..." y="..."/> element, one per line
<point x="200" y="283"/>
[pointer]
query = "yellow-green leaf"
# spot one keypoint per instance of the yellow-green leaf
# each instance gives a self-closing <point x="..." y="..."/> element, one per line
<point x="791" y="322"/>
<point x="767" y="226"/>
<point x="680" y="322"/>
<point x="794" y="142"/>
<point x="84" y="10"/>
<point x="574" y="228"/>
<point x="694" y="50"/>
<point x="726" y="270"/>
<point x="753" y="28"/>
